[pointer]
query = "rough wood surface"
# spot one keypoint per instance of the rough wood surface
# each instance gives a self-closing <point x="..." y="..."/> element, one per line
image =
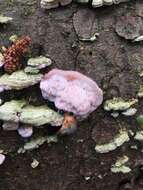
<point x="111" y="60"/>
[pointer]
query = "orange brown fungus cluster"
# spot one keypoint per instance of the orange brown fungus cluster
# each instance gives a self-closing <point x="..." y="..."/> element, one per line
<point x="69" y="124"/>
<point x="14" y="53"/>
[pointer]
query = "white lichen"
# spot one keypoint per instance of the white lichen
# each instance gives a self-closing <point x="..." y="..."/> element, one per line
<point x="115" y="114"/>
<point x="1" y="101"/>
<point x="97" y="3"/>
<point x="2" y="158"/>
<point x="130" y="112"/>
<point x="134" y="147"/>
<point x="34" y="163"/>
<point x="138" y="39"/>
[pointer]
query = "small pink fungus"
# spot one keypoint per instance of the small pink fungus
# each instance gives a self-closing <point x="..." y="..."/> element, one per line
<point x="25" y="131"/>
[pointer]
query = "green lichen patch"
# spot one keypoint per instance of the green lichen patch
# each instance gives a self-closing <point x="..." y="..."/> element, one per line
<point x="49" y="4"/>
<point x="35" y="143"/>
<point x="13" y="38"/>
<point x="19" y="80"/>
<point x="119" y="104"/>
<point x="40" y="115"/>
<point x="20" y="111"/>
<point x="116" y="142"/>
<point x="5" y="19"/>
<point x="37" y="61"/>
<point x="140" y="92"/>
<point x="9" y="110"/>
<point x="120" y="165"/>
<point x="31" y="70"/>
<point x="139" y="135"/>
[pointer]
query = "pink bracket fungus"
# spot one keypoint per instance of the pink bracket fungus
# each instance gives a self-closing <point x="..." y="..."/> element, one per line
<point x="25" y="131"/>
<point x="71" y="92"/>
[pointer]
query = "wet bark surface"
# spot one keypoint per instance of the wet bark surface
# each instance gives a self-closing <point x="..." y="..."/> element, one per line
<point x="113" y="60"/>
